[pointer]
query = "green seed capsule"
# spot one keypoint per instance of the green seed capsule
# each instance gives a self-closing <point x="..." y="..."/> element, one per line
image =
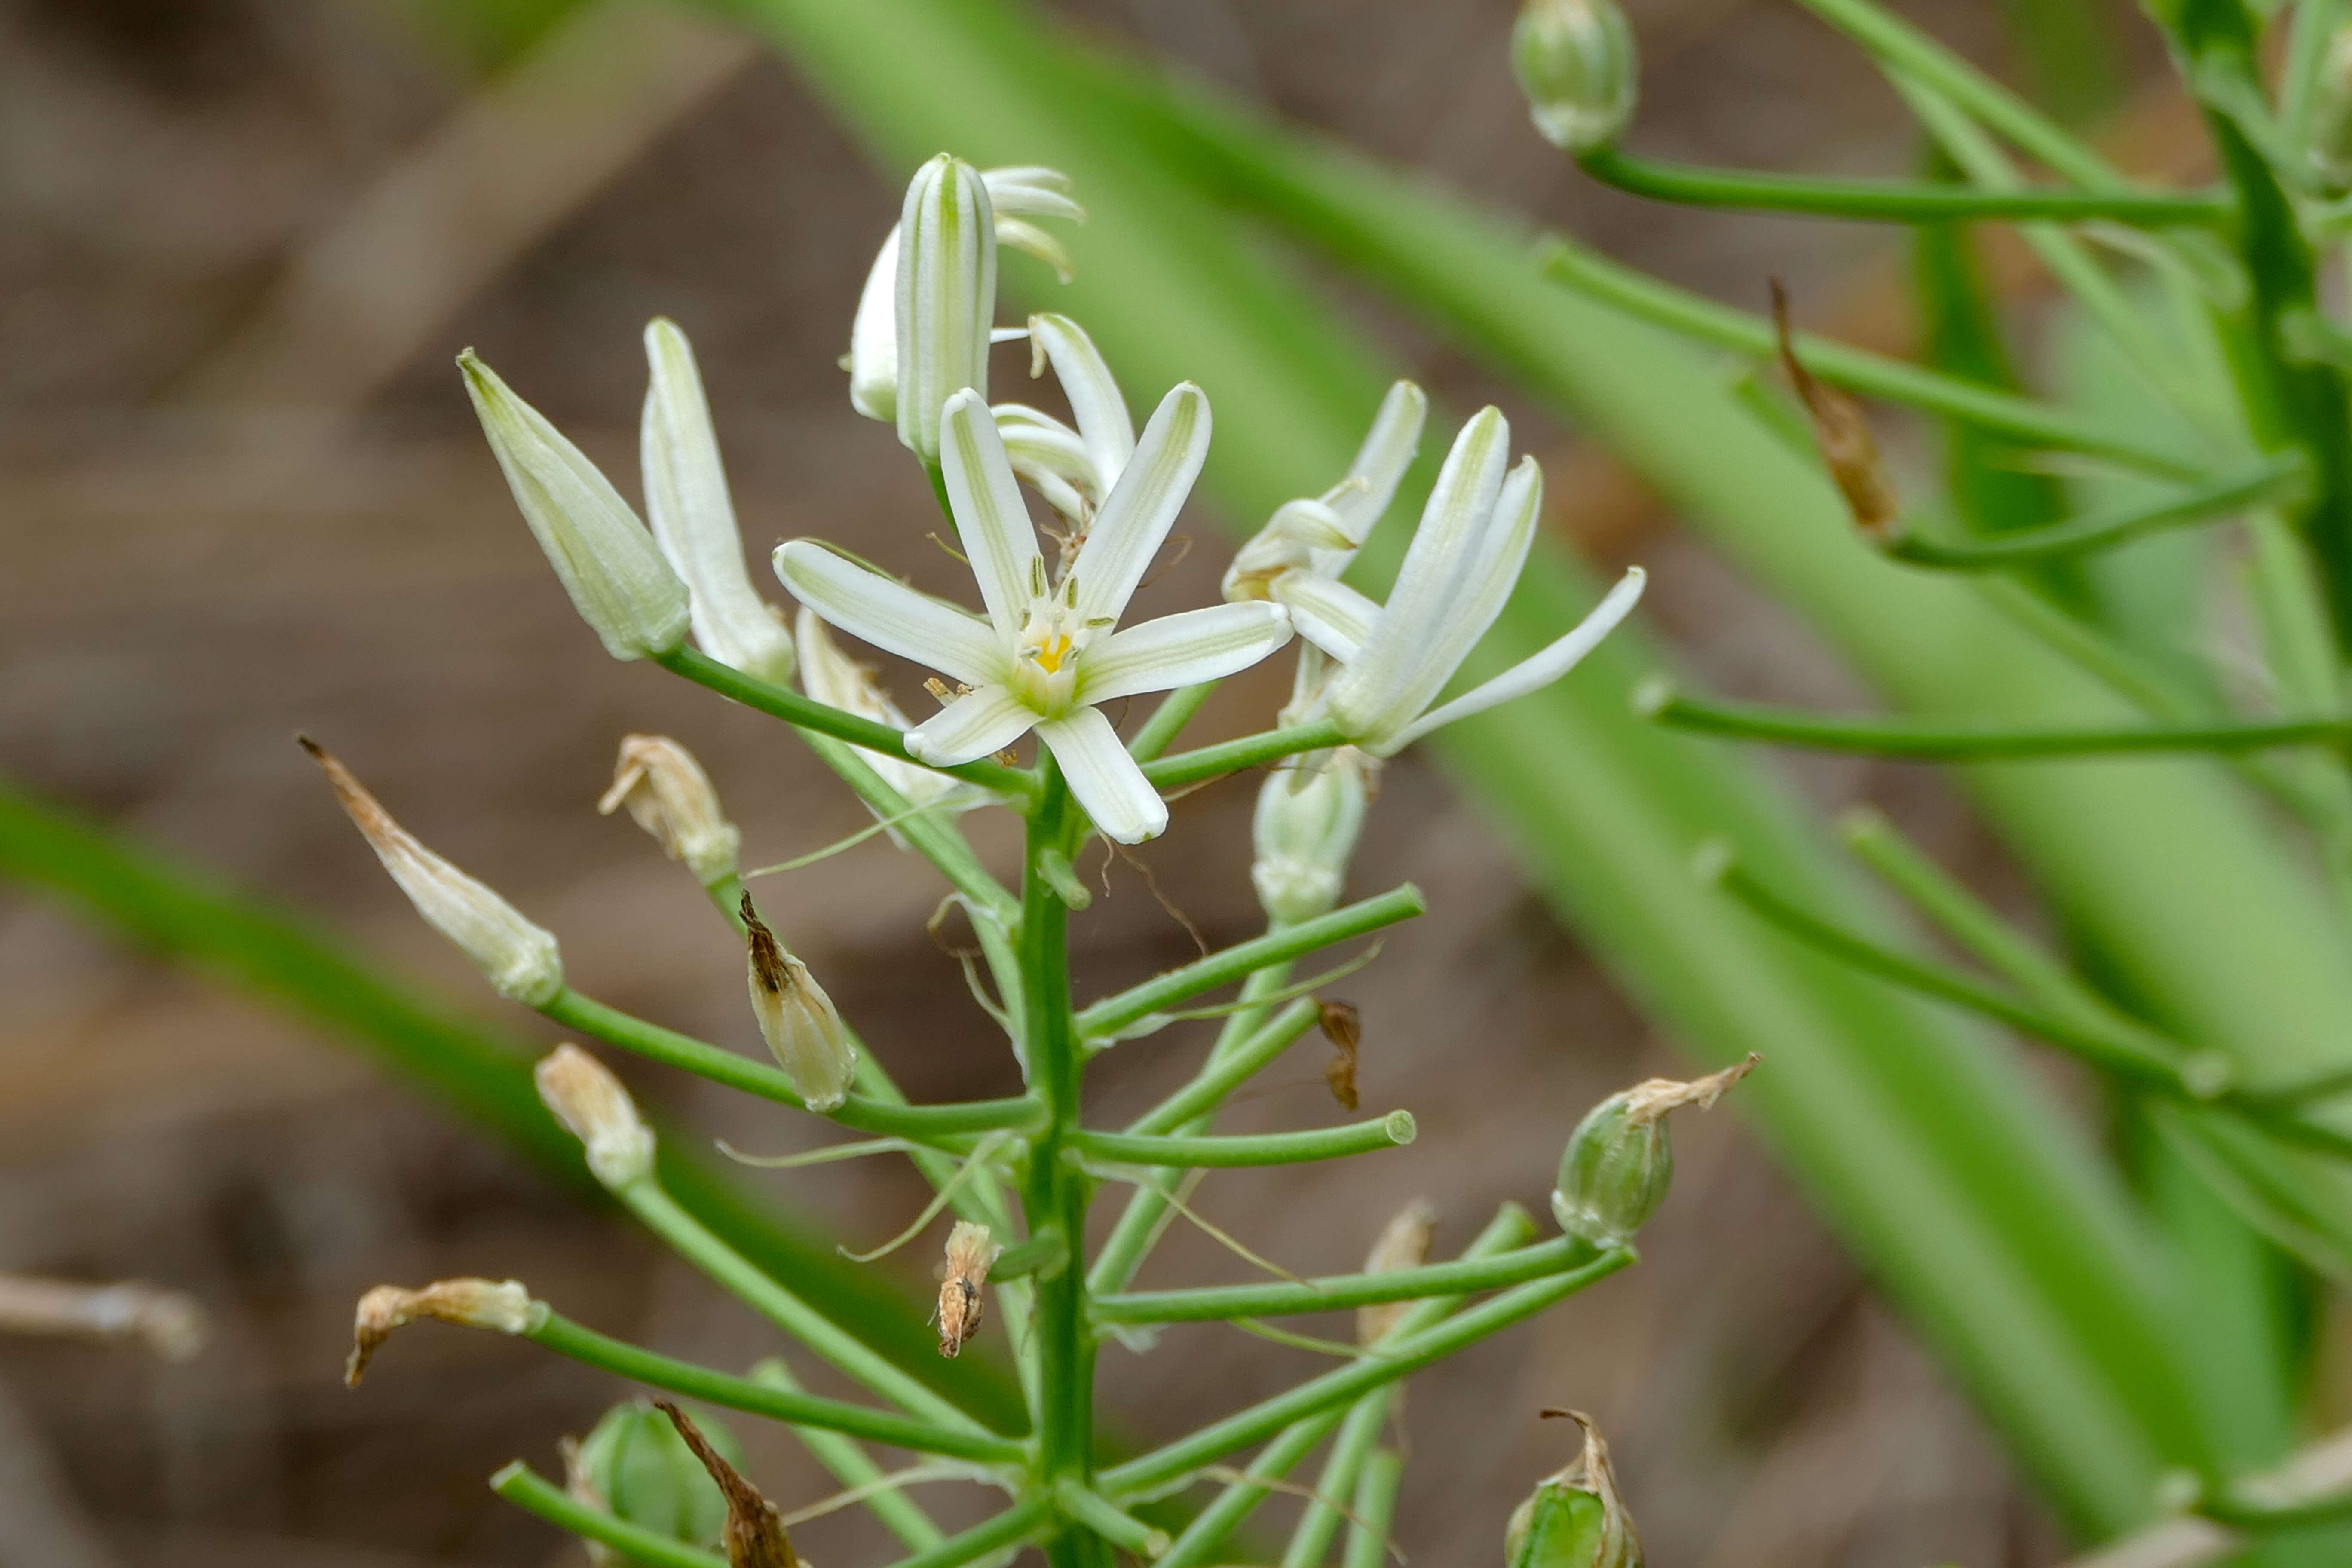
<point x="638" y="1465"/>
<point x="1574" y="1519"/>
<point x="1576" y="63"/>
<point x="2329" y="141"/>
<point x="1619" y="1161"/>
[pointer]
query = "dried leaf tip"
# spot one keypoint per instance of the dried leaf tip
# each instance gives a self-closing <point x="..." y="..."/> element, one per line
<point x="582" y="1094"/>
<point x="1403" y="1243"/>
<point x="1843" y="435"/>
<point x="797" y="1020"/>
<point x="670" y="797"/>
<point x="755" y="1534"/>
<point x="972" y="1249"/>
<point x="1653" y="1098"/>
<point x="470" y="1303"/>
<point x="521" y="960"/>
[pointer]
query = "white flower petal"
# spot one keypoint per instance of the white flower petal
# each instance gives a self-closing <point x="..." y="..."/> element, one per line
<point x="873" y="362"/>
<point x="1022" y="235"/>
<point x="1031" y="191"/>
<point x="1095" y="399"/>
<point x="1050" y="458"/>
<point x="999" y="539"/>
<point x="1330" y="615"/>
<point x="1539" y="670"/>
<point x="693" y="518"/>
<point x="1105" y="779"/>
<point x="1142" y="506"/>
<point x="1488" y="575"/>
<point x="889" y="614"/>
<point x="1380" y="463"/>
<point x="1376" y="694"/>
<point x="987" y="719"/>
<point x="1182" y="650"/>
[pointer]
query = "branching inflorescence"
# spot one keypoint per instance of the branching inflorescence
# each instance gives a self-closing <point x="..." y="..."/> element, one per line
<point x="1017" y="1178"/>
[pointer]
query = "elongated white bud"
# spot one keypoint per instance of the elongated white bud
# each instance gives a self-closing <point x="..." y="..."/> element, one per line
<point x="1576" y="62"/>
<point x="797" y="1020"/>
<point x="670" y="797"/>
<point x="603" y="554"/>
<point x="521" y="960"/>
<point x="1013" y="195"/>
<point x="693" y="517"/>
<point x="505" y="1305"/>
<point x="946" y="296"/>
<point x="1403" y="1244"/>
<point x="582" y="1093"/>
<point x="1304" y="832"/>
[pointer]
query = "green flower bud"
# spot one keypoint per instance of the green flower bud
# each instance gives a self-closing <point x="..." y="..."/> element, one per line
<point x="1576" y="62"/>
<point x="1308" y="820"/>
<point x="1574" y="1519"/>
<point x="2328" y="140"/>
<point x="1619" y="1161"/>
<point x="947" y="296"/>
<point x="636" y="1465"/>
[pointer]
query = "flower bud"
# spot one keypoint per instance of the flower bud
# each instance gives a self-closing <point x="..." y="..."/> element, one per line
<point x="636" y="1467"/>
<point x="583" y="1095"/>
<point x="469" y="1303"/>
<point x="2328" y="135"/>
<point x="693" y="517"/>
<point x="837" y="680"/>
<point x="1576" y="62"/>
<point x="797" y="1020"/>
<point x="607" y="562"/>
<point x="1403" y="1244"/>
<point x="669" y="796"/>
<point x="1305" y="830"/>
<point x="1574" y="1519"/>
<point x="947" y="296"/>
<point x="521" y="960"/>
<point x="1619" y="1161"/>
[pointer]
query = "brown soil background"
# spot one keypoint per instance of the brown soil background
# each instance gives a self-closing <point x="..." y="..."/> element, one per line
<point x="188" y="575"/>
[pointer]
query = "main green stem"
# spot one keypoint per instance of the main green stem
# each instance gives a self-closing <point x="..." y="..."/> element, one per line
<point x="1056" y="1189"/>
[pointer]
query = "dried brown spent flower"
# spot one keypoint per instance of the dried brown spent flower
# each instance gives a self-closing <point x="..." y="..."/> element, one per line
<point x="1343" y="1026"/>
<point x="971" y="1250"/>
<point x="1403" y="1244"/>
<point x="583" y="1095"/>
<point x="755" y="1532"/>
<point x="797" y="1020"/>
<point x="670" y="797"/>
<point x="505" y="1305"/>
<point x="521" y="960"/>
<point x="1842" y="434"/>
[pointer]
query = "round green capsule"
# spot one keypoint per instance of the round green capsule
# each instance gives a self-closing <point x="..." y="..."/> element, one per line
<point x="639" y="1467"/>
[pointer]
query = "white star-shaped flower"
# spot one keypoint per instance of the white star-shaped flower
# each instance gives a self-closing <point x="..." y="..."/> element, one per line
<point x="1049" y="652"/>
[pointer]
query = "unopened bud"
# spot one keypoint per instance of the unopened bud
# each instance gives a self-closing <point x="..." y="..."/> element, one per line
<point x="1620" y="1160"/>
<point x="521" y="960"/>
<point x="2329" y="125"/>
<point x="947" y="296"/>
<point x="635" y="1465"/>
<point x="1576" y="64"/>
<point x="971" y="1252"/>
<point x="505" y="1305"/>
<point x="607" y="562"/>
<point x="582" y="1094"/>
<point x="1305" y="830"/>
<point x="1574" y="1519"/>
<point x="669" y="796"/>
<point x="753" y="1534"/>
<point x="1841" y="434"/>
<point x="797" y="1020"/>
<point x="1403" y="1244"/>
<point x="693" y="516"/>
<point x="837" y="680"/>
